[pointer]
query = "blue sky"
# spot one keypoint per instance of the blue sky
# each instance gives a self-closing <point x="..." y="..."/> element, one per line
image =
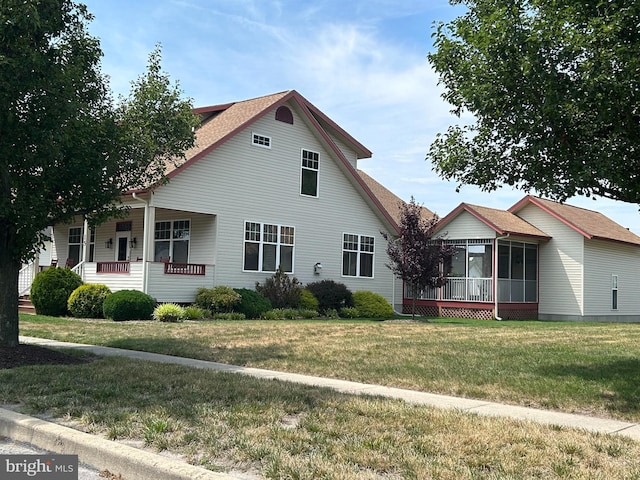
<point x="362" y="62"/>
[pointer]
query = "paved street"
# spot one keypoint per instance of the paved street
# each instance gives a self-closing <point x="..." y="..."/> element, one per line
<point x="9" y="447"/>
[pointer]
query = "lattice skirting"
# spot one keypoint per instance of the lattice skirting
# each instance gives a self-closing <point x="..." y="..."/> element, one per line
<point x="518" y="312"/>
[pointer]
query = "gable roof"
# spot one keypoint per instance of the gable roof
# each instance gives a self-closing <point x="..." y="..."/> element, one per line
<point x="589" y="223"/>
<point x="389" y="200"/>
<point x="502" y="222"/>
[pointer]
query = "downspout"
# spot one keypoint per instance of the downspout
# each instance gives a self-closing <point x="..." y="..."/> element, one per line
<point x="145" y="241"/>
<point x="495" y="276"/>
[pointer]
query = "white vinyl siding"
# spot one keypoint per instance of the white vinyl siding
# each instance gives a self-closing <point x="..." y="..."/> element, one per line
<point x="238" y="181"/>
<point x="466" y="226"/>
<point x="561" y="263"/>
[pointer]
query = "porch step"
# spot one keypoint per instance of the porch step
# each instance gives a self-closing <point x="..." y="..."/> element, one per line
<point x="25" y="306"/>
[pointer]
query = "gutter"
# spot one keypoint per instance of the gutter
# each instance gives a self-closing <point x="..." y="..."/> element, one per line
<point x="495" y="276"/>
<point x="145" y="240"/>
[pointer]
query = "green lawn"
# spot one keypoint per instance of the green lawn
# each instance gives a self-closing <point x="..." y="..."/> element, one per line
<point x="576" y="367"/>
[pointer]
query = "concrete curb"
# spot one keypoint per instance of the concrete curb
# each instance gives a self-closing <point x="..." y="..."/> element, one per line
<point x="479" y="407"/>
<point x="131" y="463"/>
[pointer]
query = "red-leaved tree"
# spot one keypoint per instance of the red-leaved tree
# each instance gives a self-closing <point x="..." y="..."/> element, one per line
<point x="415" y="255"/>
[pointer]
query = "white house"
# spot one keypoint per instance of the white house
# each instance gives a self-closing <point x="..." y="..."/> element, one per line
<point x="272" y="181"/>
<point x="538" y="260"/>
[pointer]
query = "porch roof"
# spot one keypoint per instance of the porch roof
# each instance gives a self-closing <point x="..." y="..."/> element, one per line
<point x="502" y="222"/>
<point x="589" y="223"/>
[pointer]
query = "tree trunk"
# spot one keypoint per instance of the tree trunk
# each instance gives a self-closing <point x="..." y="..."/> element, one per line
<point x="9" y="271"/>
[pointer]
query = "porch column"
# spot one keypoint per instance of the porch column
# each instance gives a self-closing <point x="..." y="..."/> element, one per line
<point x="85" y="245"/>
<point x="147" y="243"/>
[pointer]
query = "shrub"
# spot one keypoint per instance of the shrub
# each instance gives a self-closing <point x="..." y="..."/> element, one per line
<point x="51" y="289"/>
<point x="331" y="313"/>
<point x="195" y="313"/>
<point x="168" y="312"/>
<point x="217" y="299"/>
<point x="372" y="305"/>
<point x="128" y="305"/>
<point x="252" y="304"/>
<point x="349" y="312"/>
<point x="86" y="301"/>
<point x="307" y="313"/>
<point x="331" y="295"/>
<point x="229" y="316"/>
<point x="308" y="301"/>
<point x="281" y="290"/>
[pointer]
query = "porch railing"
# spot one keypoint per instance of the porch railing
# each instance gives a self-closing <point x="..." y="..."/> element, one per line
<point x="25" y="278"/>
<point x="464" y="289"/>
<point x="184" y="269"/>
<point x="113" y="267"/>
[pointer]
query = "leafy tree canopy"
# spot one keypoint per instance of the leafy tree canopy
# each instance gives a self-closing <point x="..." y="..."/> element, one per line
<point x="66" y="148"/>
<point x="554" y="87"/>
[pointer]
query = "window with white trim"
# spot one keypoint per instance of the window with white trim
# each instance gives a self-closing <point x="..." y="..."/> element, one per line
<point x="261" y="140"/>
<point x="614" y="292"/>
<point x="268" y="246"/>
<point x="309" y="173"/>
<point x="171" y="241"/>
<point x="357" y="255"/>
<point x="74" y="246"/>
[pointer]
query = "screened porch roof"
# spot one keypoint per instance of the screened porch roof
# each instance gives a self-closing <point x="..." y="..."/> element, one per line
<point x="501" y="221"/>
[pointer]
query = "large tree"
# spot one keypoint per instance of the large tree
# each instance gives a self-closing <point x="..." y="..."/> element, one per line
<point x="417" y="254"/>
<point x="66" y="148"/>
<point x="554" y="89"/>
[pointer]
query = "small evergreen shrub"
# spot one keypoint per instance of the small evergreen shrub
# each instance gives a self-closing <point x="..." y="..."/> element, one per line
<point x="86" y="301"/>
<point x="331" y="313"/>
<point x="128" y="305"/>
<point x="308" y="301"/>
<point x="349" y="312"/>
<point x="168" y="312"/>
<point x="331" y="295"/>
<point x="307" y="313"/>
<point x="372" y="305"/>
<point x="229" y="316"/>
<point x="217" y="299"/>
<point x="51" y="289"/>
<point x="195" y="313"/>
<point x="252" y="304"/>
<point x="282" y="290"/>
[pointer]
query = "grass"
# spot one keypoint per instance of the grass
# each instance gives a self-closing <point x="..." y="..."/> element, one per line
<point x="583" y="368"/>
<point x="286" y="431"/>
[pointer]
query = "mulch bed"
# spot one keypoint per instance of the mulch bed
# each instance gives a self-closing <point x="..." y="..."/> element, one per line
<point x="23" y="355"/>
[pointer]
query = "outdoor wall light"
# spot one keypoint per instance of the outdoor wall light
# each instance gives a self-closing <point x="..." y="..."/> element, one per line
<point x="317" y="268"/>
<point x="108" y="243"/>
<point x="133" y="242"/>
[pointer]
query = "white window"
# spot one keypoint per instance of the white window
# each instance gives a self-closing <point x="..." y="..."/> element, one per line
<point x="261" y="140"/>
<point x="268" y="246"/>
<point x="75" y="246"/>
<point x="357" y="255"/>
<point x="172" y="241"/>
<point x="309" y="174"/>
<point x="614" y="292"/>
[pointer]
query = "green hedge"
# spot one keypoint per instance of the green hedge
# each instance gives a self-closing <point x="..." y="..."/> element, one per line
<point x="51" y="289"/>
<point x="129" y="305"/>
<point x="87" y="300"/>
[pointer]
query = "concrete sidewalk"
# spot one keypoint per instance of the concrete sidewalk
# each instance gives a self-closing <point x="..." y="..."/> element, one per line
<point x="11" y="422"/>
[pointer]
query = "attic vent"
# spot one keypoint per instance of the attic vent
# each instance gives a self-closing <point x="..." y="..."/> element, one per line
<point x="283" y="114"/>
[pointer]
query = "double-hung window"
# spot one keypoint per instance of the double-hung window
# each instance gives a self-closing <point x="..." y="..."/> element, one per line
<point x="309" y="174"/>
<point x="172" y="241"/>
<point x="614" y="292"/>
<point x="268" y="246"/>
<point x="75" y="246"/>
<point x="357" y="255"/>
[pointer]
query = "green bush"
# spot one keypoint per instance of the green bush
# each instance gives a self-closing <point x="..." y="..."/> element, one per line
<point x="128" y="305"/>
<point x="372" y="305"/>
<point x="331" y="313"/>
<point x="51" y="289"/>
<point x="229" y="316"/>
<point x="331" y="295"/>
<point x="308" y="301"/>
<point x="307" y="313"/>
<point x="195" y="313"/>
<point x="217" y="299"/>
<point x="252" y="304"/>
<point x="282" y="290"/>
<point x="168" y="312"/>
<point x="86" y="301"/>
<point x="349" y="312"/>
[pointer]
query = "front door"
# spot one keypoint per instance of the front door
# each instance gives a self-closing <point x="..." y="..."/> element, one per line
<point x="122" y="246"/>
